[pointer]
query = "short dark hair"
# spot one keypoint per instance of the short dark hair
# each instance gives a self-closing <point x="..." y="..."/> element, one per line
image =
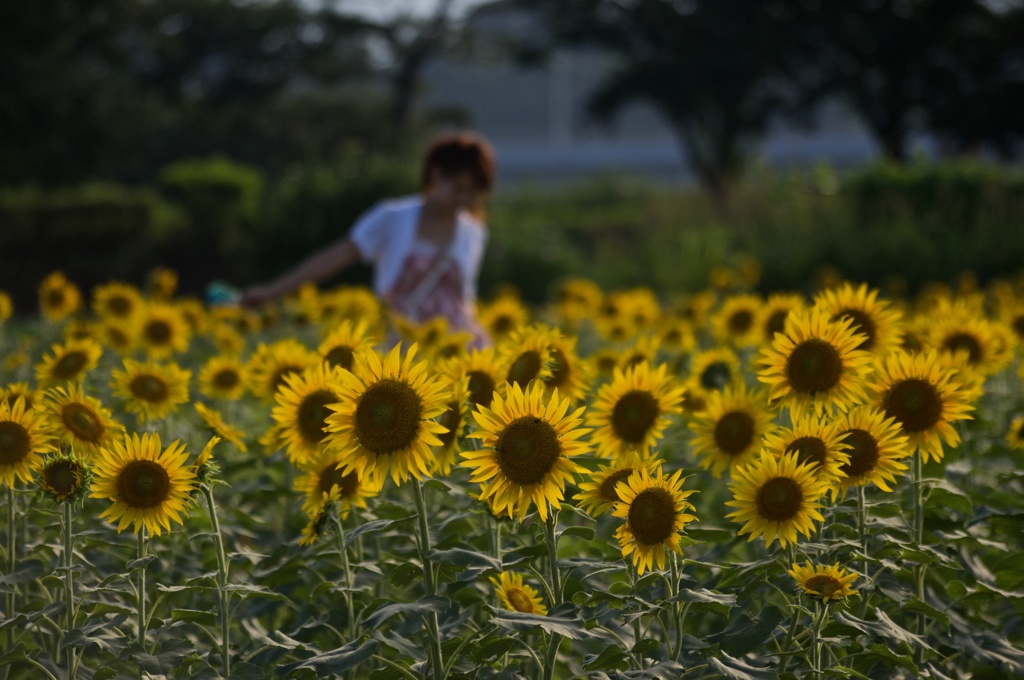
<point x="460" y="152"/>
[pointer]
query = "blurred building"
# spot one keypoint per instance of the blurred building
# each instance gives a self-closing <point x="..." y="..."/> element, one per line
<point x="536" y="116"/>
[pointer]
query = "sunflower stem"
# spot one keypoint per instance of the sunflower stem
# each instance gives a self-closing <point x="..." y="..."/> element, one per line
<point x="790" y="636"/>
<point x="815" y="637"/>
<point x="69" y="589"/>
<point x="141" y="594"/>
<point x="11" y="562"/>
<point x="677" y="611"/>
<point x="343" y="550"/>
<point x="222" y="582"/>
<point x="919" y="569"/>
<point x="551" y="539"/>
<point x="497" y="537"/>
<point x="437" y="660"/>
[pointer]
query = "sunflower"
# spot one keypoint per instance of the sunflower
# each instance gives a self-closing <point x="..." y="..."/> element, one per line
<point x="484" y="371"/>
<point x="712" y="370"/>
<point x="502" y="317"/>
<point x="14" y="391"/>
<point x="826" y="582"/>
<point x="516" y="596"/>
<point x="227" y="339"/>
<point x="598" y="494"/>
<point x="385" y="418"/>
<point x="193" y="313"/>
<point x="876" y="447"/>
<point x="676" y="336"/>
<point x="215" y="421"/>
<point x="656" y="510"/>
<point x="695" y="308"/>
<point x="24" y="435"/>
<point x="615" y="329"/>
<point x="150" y="390"/>
<point x="816" y="442"/>
<point x="323" y="480"/>
<point x="162" y="330"/>
<point x="1015" y="433"/>
<point x="879" y="323"/>
<point x="354" y="303"/>
<point x="454" y="419"/>
<point x="643" y="350"/>
<point x="163" y="281"/>
<point x="206" y="466"/>
<point x="302" y="409"/>
<point x="529" y="440"/>
<point x="527" y="355"/>
<point x="919" y="393"/>
<point x="772" y="317"/>
<point x="269" y="365"/>
<point x="223" y="377"/>
<point x="776" y="498"/>
<point x="340" y="346"/>
<point x="1011" y="314"/>
<point x="63" y="477"/>
<point x="58" y="297"/>
<point x="982" y="346"/>
<point x="728" y="431"/>
<point x="736" y="322"/>
<point x="116" y="300"/>
<point x="604" y="361"/>
<point x="117" y="334"/>
<point x="640" y="306"/>
<point x="569" y="375"/>
<point x="6" y="306"/>
<point x="814" y="364"/>
<point x="630" y="414"/>
<point x="576" y="300"/>
<point x="149" y="486"/>
<point x="81" y="422"/>
<point x="68" y="362"/>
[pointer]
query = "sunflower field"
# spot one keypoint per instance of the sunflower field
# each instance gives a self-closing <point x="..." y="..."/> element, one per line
<point x="724" y="484"/>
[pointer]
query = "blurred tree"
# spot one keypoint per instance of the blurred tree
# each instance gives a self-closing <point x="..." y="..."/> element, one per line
<point x="715" y="69"/>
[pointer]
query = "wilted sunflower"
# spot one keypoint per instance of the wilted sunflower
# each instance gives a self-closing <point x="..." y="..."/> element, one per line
<point x="773" y="314"/>
<point x="151" y="390"/>
<point x="485" y="374"/>
<point x="215" y="422"/>
<point x="269" y="364"/>
<point x="223" y="377"/>
<point x="302" y="409"/>
<point x="58" y="297"/>
<point x="24" y="435"/>
<point x="656" y="510"/>
<point x="526" y="354"/>
<point x="501" y="317"/>
<point x="340" y="346"/>
<point x="982" y="346"/>
<point x="711" y="371"/>
<point x="630" y="414"/>
<point x="14" y="391"/>
<point x="879" y="323"/>
<point x="385" y="419"/>
<point x="454" y="419"/>
<point x="598" y="494"/>
<point x="529" y="441"/>
<point x="516" y="596"/>
<point x="162" y="330"/>
<point x="323" y="480"/>
<point x="68" y="363"/>
<point x="815" y="365"/>
<point x="918" y="391"/>
<point x="736" y="322"/>
<point x="80" y="422"/>
<point x="875" y="447"/>
<point x="63" y="477"/>
<point x="569" y="374"/>
<point x="728" y="431"/>
<point x="116" y="300"/>
<point x="826" y="582"/>
<point x="776" y="498"/>
<point x="149" y="486"/>
<point x="816" y="442"/>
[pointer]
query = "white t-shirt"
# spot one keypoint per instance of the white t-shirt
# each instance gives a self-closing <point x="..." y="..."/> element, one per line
<point x="385" y="234"/>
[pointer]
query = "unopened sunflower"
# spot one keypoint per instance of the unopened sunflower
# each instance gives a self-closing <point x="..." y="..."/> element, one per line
<point x="24" y="435"/>
<point x="64" y="477"/>
<point x="919" y="392"/>
<point x="385" y="419"/>
<point x="656" y="511"/>
<point x="68" y="363"/>
<point x="516" y="596"/>
<point x="815" y="365"/>
<point x="150" y="390"/>
<point x="630" y="414"/>
<point x="302" y="409"/>
<point x="824" y="581"/>
<point x="529" y="441"/>
<point x="728" y="431"/>
<point x="875" y="319"/>
<point x="149" y="486"/>
<point x="598" y="493"/>
<point x="875" y="448"/>
<point x="80" y="421"/>
<point x="776" y="498"/>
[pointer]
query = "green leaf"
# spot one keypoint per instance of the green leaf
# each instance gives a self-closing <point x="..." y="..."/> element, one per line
<point x="845" y="672"/>
<point x="557" y="621"/>
<point x="374" y="527"/>
<point x="708" y="600"/>
<point x="404" y="574"/>
<point x="945" y="494"/>
<point x="745" y="634"/>
<point x="26" y="571"/>
<point x="424" y="605"/>
<point x="731" y="667"/>
<point x="335" y="662"/>
<point x="464" y="558"/>
<point x="241" y="670"/>
<point x="646" y="647"/>
<point x="915" y="605"/>
<point x="206" y="618"/>
<point x="883" y="628"/>
<point x="586" y="533"/>
<point x="610" y="658"/>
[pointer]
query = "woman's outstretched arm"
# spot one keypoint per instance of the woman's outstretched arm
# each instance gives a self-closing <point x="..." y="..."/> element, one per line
<point x="318" y="267"/>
